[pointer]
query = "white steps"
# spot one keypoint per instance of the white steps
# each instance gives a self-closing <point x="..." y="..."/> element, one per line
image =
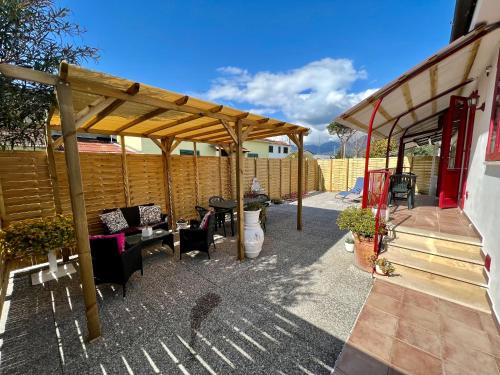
<point x="446" y="266"/>
<point x="449" y="289"/>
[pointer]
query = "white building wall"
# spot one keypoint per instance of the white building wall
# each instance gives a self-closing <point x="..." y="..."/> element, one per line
<point x="482" y="204"/>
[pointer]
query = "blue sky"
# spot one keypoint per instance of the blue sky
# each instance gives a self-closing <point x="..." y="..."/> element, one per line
<point x="303" y="61"/>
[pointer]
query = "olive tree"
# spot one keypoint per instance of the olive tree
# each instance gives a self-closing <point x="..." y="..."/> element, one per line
<point x="39" y="35"/>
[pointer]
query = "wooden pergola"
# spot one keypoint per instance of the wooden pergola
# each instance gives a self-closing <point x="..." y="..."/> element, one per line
<point x="94" y="102"/>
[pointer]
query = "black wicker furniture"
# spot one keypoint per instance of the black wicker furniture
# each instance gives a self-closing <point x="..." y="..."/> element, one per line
<point x="110" y="265"/>
<point x="197" y="238"/>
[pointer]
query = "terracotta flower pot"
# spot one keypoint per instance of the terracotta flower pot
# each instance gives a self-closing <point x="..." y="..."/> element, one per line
<point x="363" y="249"/>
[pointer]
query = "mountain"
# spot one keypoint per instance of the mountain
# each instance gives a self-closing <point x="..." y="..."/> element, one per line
<point x="327" y="148"/>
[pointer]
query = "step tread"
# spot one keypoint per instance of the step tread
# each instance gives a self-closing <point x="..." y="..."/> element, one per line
<point x="465" y="294"/>
<point x="455" y="269"/>
<point x="453" y="250"/>
<point x="437" y="235"/>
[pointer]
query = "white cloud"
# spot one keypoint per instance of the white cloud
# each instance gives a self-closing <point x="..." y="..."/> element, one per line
<point x="311" y="95"/>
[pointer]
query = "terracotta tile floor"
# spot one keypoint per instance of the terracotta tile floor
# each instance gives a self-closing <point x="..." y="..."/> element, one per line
<point x="426" y="215"/>
<point x="401" y="331"/>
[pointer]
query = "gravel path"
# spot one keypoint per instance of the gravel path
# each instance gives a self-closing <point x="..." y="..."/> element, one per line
<point x="288" y="311"/>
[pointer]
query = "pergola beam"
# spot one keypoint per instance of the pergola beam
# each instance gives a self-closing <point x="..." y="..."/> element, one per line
<point x="470" y="61"/>
<point x="230" y="131"/>
<point x="181" y="121"/>
<point x="184" y="131"/>
<point x="112" y="105"/>
<point x="144" y="117"/>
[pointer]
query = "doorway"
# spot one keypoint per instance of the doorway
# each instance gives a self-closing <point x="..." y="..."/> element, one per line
<point x="455" y="149"/>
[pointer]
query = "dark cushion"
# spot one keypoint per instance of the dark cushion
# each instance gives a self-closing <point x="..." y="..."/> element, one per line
<point x="131" y="214"/>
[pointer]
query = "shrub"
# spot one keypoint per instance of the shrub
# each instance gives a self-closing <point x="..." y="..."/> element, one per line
<point x="37" y="236"/>
<point x="360" y="221"/>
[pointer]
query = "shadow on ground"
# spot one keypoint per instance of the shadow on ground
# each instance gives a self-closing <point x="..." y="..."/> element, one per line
<point x="288" y="311"/>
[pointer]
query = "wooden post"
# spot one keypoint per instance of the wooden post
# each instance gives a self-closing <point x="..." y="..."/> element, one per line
<point x="347" y="174"/>
<point x="281" y="178"/>
<point x="167" y="162"/>
<point x="331" y="175"/>
<point x="269" y="177"/>
<point x="126" y="186"/>
<point x="196" y="175"/>
<point x="51" y="161"/>
<point x="299" y="185"/>
<point x="239" y="191"/>
<point x="3" y="213"/>
<point x="290" y="176"/>
<point x="221" y="192"/>
<point x="72" y="157"/>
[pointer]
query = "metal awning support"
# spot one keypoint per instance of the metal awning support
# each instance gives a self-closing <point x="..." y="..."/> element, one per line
<point x="367" y="153"/>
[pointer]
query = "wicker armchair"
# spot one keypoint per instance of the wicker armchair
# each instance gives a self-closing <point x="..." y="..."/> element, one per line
<point x="112" y="267"/>
<point x="197" y="238"/>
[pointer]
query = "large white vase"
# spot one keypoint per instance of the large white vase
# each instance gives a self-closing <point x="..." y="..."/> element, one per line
<point x="254" y="235"/>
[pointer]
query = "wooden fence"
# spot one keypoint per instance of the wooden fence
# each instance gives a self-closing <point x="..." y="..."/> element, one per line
<point x="27" y="187"/>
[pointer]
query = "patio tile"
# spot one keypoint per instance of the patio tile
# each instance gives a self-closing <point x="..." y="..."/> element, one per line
<point x="378" y="320"/>
<point x="426" y="340"/>
<point x="414" y="361"/>
<point x="388" y="289"/>
<point x="471" y="360"/>
<point x="451" y="368"/>
<point x="460" y="313"/>
<point x="353" y="361"/>
<point x="488" y="324"/>
<point x="422" y="300"/>
<point x="456" y="331"/>
<point x="384" y="303"/>
<point x="495" y="345"/>
<point x="420" y="317"/>
<point x="370" y="341"/>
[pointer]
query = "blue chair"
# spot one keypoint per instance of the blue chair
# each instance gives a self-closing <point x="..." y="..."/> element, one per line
<point x="356" y="190"/>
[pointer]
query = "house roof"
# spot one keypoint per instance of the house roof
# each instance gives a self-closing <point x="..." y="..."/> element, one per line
<point x="417" y="98"/>
<point x="98" y="147"/>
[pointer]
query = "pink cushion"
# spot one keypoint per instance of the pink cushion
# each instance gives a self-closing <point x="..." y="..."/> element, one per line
<point x="120" y="240"/>
<point x="204" y="221"/>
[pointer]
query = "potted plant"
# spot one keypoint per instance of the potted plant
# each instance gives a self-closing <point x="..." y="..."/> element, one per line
<point x="254" y="235"/>
<point x="349" y="244"/>
<point x="382" y="266"/>
<point x="41" y="236"/>
<point x="182" y="223"/>
<point x="361" y="222"/>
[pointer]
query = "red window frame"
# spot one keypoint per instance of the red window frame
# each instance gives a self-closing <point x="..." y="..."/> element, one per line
<point x="494" y="154"/>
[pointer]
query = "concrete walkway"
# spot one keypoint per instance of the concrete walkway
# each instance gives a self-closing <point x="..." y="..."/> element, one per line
<point x="288" y="311"/>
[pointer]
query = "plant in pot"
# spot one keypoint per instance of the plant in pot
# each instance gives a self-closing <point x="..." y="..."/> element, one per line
<point x="382" y="266"/>
<point x="361" y="222"/>
<point x="254" y="235"/>
<point x="349" y="244"/>
<point x="39" y="237"/>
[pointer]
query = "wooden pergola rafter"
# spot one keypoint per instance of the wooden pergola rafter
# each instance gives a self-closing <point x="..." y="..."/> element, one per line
<point x="93" y="102"/>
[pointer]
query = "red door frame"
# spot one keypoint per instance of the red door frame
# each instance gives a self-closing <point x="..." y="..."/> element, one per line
<point x="452" y="181"/>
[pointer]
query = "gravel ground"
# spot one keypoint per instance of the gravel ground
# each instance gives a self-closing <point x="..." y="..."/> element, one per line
<point x="288" y="311"/>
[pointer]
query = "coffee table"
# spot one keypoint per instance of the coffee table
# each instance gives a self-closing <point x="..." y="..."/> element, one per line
<point x="165" y="236"/>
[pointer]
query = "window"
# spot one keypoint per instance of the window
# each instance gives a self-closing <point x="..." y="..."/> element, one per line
<point x="271" y="149"/>
<point x="279" y="149"/>
<point x="253" y="155"/>
<point x="493" y="150"/>
<point x="285" y="150"/>
<point x="189" y="152"/>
